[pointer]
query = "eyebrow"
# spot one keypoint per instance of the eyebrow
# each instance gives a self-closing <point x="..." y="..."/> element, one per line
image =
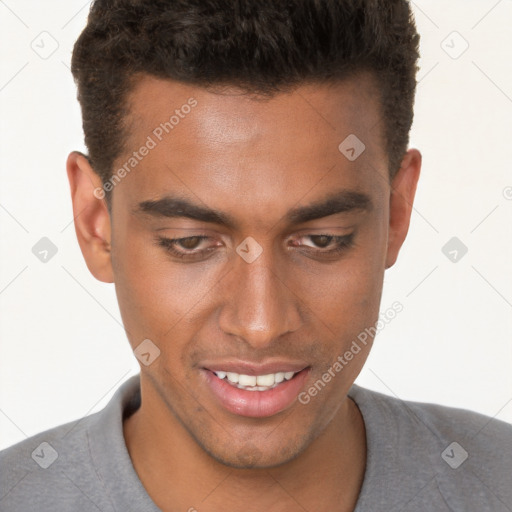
<point x="176" y="207"/>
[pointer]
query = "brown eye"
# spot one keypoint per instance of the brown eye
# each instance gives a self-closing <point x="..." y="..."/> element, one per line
<point x="191" y="248"/>
<point x="321" y="241"/>
<point x="190" y="243"/>
<point x="324" y="245"/>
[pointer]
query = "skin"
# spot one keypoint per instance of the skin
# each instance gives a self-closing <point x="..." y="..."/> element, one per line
<point x="253" y="159"/>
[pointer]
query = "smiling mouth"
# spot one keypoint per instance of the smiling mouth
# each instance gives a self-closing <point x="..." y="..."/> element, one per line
<point x="262" y="394"/>
<point x="255" y="382"/>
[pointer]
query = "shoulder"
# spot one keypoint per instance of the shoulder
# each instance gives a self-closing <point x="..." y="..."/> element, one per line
<point x="50" y="469"/>
<point x="441" y="421"/>
<point x="71" y="467"/>
<point x="467" y="455"/>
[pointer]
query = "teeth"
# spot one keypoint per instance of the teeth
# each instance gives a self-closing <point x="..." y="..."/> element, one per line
<point x="265" y="380"/>
<point x="253" y="382"/>
<point x="247" y="380"/>
<point x="232" y="377"/>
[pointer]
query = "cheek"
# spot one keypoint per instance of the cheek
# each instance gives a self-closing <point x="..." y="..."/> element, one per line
<point x="154" y="294"/>
<point x="345" y="298"/>
<point x="144" y="289"/>
<point x="157" y="295"/>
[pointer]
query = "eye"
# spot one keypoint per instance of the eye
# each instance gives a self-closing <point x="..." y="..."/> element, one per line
<point x="325" y="243"/>
<point x="321" y="241"/>
<point x="188" y="243"/>
<point x="192" y="247"/>
<point x="200" y="246"/>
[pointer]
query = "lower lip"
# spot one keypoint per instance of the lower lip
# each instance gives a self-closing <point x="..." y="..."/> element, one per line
<point x="256" y="404"/>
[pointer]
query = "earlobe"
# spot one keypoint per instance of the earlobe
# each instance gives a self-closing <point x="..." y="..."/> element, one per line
<point x="91" y="216"/>
<point x="403" y="189"/>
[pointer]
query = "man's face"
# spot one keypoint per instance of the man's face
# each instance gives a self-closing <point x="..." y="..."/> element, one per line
<point x="292" y="298"/>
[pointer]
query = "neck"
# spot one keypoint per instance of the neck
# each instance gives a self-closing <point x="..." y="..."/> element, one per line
<point x="179" y="475"/>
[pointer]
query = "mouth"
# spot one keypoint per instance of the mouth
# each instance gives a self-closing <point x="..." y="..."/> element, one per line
<point x="255" y="382"/>
<point x="255" y="394"/>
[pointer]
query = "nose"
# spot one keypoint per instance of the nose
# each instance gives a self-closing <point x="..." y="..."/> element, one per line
<point x="259" y="305"/>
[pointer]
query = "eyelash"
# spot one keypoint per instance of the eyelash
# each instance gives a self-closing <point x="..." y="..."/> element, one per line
<point x="342" y="243"/>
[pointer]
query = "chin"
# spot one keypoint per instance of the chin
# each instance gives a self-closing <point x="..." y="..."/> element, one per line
<point x="251" y="455"/>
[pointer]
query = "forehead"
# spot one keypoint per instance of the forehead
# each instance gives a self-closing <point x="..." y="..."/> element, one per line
<point x="263" y="150"/>
<point x="230" y="115"/>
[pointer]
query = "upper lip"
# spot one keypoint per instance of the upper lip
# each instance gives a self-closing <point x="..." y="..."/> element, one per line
<point x="250" y="368"/>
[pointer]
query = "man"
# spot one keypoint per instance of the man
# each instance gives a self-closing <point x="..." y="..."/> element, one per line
<point x="248" y="182"/>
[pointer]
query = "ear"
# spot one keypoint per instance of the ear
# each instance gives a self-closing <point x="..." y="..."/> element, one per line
<point x="403" y="189"/>
<point x="91" y="216"/>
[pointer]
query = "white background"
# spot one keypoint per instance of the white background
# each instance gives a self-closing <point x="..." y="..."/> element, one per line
<point x="63" y="351"/>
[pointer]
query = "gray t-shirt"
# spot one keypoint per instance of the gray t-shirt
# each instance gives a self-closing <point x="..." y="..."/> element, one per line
<point x="421" y="457"/>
